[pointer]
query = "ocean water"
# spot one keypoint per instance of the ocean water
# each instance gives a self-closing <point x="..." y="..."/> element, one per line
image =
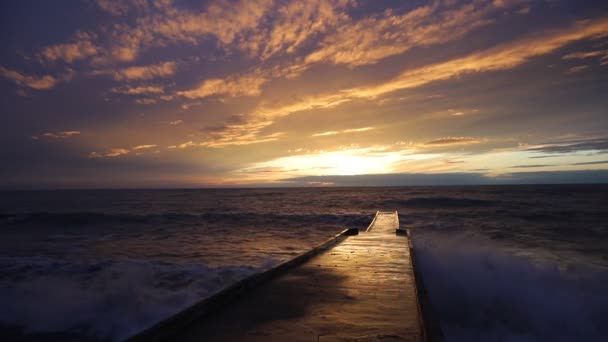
<point x="501" y="263"/>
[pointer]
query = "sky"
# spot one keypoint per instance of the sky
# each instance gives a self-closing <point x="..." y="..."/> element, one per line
<point x="184" y="93"/>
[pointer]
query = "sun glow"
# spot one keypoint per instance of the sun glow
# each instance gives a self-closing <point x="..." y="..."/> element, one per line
<point x="348" y="162"/>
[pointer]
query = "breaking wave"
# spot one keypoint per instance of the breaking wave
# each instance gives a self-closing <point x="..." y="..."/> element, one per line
<point x="484" y="291"/>
<point x="108" y="300"/>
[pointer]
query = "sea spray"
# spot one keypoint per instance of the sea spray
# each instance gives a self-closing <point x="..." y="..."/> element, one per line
<point x="484" y="290"/>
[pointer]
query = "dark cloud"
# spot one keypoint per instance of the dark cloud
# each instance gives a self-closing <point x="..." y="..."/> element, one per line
<point x="414" y="179"/>
<point x="547" y="156"/>
<point x="452" y="141"/>
<point x="225" y="125"/>
<point x="396" y="179"/>
<point x="592" y="163"/>
<point x="531" y="166"/>
<point x="569" y="146"/>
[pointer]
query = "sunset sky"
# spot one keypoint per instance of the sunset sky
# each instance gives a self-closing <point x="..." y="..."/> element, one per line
<point x="138" y="93"/>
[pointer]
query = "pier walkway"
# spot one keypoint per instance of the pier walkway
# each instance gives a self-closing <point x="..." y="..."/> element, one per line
<point x="362" y="289"/>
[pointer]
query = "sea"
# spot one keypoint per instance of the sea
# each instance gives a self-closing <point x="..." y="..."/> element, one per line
<point x="500" y="263"/>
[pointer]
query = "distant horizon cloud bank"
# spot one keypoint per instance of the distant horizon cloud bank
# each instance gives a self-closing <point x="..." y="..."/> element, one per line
<point x="368" y="180"/>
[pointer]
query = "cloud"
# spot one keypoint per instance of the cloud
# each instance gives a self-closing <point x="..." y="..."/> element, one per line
<point x="111" y="153"/>
<point x="501" y="57"/>
<point x="144" y="72"/>
<point x="265" y="28"/>
<point x="221" y="143"/>
<point x="323" y="134"/>
<point x="182" y="146"/>
<point x="224" y="20"/>
<point x="121" y="7"/>
<point x="145" y="101"/>
<point x="350" y="130"/>
<point x="541" y="157"/>
<point x="598" y="162"/>
<point x="115" y="152"/>
<point x="573" y="145"/>
<point x="524" y="10"/>
<point x="113" y="7"/>
<point x="343" y="161"/>
<point x="261" y="28"/>
<point x="143" y="147"/>
<point x="577" y="68"/>
<point x="294" y="24"/>
<point x="39" y="83"/>
<point x="531" y="166"/>
<point x="395" y="179"/>
<point x="176" y="122"/>
<point x="374" y="38"/>
<point x="81" y="47"/>
<point x="592" y="163"/>
<point x="452" y="141"/>
<point x="247" y="130"/>
<point x="60" y="135"/>
<point x="238" y="137"/>
<point x="139" y="90"/>
<point x="586" y="54"/>
<point x="410" y="179"/>
<point x="247" y="85"/>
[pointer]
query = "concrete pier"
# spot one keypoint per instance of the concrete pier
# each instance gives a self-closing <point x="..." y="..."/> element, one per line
<point x="361" y="288"/>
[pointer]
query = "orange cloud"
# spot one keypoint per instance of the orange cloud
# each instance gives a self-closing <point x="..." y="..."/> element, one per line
<point x="182" y="146"/>
<point x="146" y="72"/>
<point x="121" y="7"/>
<point x="375" y="38"/>
<point x="237" y="136"/>
<point x="143" y="147"/>
<point x="350" y="130"/>
<point x="139" y="90"/>
<point x="502" y="57"/>
<point x="82" y="47"/>
<point x="577" y="68"/>
<point x="294" y="24"/>
<point x="38" y="83"/>
<point x="60" y="135"/>
<point x="113" y="152"/>
<point x="587" y="54"/>
<point x="145" y="101"/>
<point x="236" y="25"/>
<point x="452" y="141"/>
<point x="250" y="131"/>
<point x="248" y="85"/>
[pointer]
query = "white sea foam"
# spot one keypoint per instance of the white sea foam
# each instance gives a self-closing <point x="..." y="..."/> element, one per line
<point x="483" y="290"/>
<point x="109" y="300"/>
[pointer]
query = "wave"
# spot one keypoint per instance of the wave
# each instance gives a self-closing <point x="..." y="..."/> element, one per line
<point x="439" y="202"/>
<point x="107" y="300"/>
<point x="483" y="291"/>
<point x="78" y="219"/>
